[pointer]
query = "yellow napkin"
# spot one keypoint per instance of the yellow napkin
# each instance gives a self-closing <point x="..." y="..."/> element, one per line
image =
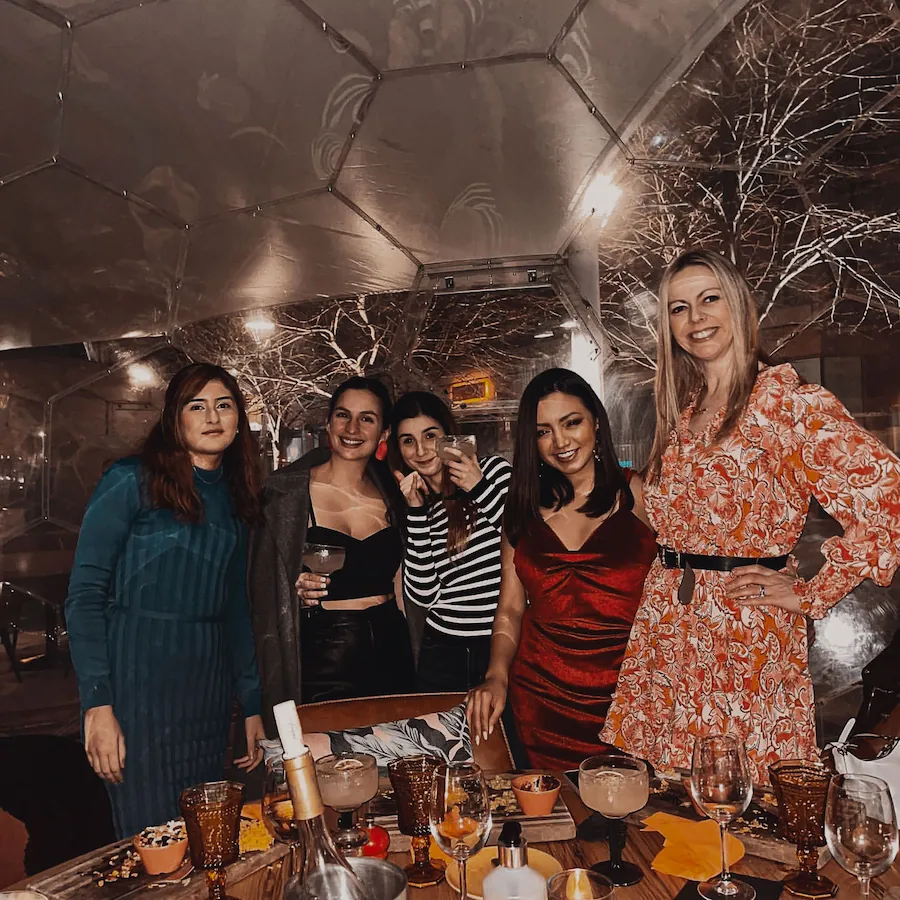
<point x="692" y="849"/>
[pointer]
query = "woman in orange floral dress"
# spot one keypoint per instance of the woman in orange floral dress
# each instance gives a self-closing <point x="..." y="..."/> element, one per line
<point x="719" y="641"/>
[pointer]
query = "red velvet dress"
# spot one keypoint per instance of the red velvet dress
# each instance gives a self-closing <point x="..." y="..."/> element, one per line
<point x="581" y="604"/>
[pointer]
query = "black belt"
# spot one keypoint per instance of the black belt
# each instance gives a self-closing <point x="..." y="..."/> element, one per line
<point x="675" y="559"/>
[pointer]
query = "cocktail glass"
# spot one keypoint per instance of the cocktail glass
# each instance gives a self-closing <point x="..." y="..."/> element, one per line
<point x="323" y="559"/>
<point x="346" y="782"/>
<point x="615" y="785"/>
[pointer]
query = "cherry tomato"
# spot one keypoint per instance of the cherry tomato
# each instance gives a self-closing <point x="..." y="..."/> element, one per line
<point x="378" y="843"/>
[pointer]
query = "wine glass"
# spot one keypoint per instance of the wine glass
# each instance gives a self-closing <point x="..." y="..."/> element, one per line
<point x="721" y="787"/>
<point x="277" y="808"/>
<point x="346" y="782"/>
<point x="615" y="785"/>
<point x="460" y="814"/>
<point x="861" y="826"/>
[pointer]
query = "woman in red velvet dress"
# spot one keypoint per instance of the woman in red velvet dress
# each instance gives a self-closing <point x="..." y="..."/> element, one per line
<point x="576" y="550"/>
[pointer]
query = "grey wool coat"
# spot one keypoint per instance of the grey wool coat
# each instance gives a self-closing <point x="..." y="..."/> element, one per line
<point x="275" y="565"/>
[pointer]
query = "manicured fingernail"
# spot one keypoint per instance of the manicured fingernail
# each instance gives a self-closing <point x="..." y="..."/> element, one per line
<point x="477" y="740"/>
<point x="484" y="734"/>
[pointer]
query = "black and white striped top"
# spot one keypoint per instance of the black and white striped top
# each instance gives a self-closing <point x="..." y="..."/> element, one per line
<point x="460" y="592"/>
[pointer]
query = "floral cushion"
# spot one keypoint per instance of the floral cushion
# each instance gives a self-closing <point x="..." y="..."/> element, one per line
<point x="442" y="734"/>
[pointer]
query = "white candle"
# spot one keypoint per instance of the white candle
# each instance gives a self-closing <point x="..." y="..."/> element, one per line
<point x="289" y="730"/>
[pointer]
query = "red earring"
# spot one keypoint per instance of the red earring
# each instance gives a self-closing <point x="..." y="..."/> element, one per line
<point x="381" y="452"/>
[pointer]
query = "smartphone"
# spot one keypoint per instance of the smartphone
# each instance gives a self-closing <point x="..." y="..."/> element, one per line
<point x="465" y="443"/>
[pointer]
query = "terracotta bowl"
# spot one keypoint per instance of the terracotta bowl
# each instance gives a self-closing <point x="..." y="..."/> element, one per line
<point x="535" y="803"/>
<point x="162" y="860"/>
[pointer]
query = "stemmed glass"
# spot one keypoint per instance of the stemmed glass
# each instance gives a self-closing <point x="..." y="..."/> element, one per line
<point x="277" y="808"/>
<point x="615" y="785"/>
<point x="347" y="781"/>
<point x="721" y="787"/>
<point x="460" y="814"/>
<point x="861" y="826"/>
<point x="411" y="778"/>
<point x="322" y="559"/>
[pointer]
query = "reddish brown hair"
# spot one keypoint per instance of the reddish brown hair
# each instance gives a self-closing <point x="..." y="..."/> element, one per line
<point x="167" y="463"/>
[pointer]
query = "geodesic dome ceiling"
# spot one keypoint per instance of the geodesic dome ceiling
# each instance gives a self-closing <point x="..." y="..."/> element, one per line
<point x="163" y="161"/>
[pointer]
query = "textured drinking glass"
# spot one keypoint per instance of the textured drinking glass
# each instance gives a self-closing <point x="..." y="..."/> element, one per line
<point x="460" y="814"/>
<point x="411" y="779"/>
<point x="861" y="826"/>
<point x="615" y="785"/>
<point x="212" y="816"/>
<point x="721" y="787"/>
<point x="578" y="884"/>
<point x="801" y="789"/>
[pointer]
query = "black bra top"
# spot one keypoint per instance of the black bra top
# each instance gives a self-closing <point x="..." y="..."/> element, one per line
<point x="370" y="564"/>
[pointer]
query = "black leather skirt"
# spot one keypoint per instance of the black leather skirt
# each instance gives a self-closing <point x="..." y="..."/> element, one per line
<point x="355" y="653"/>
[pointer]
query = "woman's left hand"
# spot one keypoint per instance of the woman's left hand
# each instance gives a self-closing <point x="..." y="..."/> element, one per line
<point x="465" y="472"/>
<point x="253" y="728"/>
<point x="759" y="586"/>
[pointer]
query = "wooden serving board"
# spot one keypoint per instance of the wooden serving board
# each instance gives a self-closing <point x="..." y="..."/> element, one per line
<point x="756" y="829"/>
<point x="558" y="826"/>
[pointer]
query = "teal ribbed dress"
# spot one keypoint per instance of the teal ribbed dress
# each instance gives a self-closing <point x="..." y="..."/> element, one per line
<point x="159" y="627"/>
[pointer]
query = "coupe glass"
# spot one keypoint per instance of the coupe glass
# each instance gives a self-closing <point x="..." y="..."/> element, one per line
<point x="411" y="778"/>
<point x="323" y="559"/>
<point x="801" y="789"/>
<point x="861" y="826"/>
<point x="277" y="808"/>
<point x="212" y="816"/>
<point x="721" y="787"/>
<point x="615" y="785"/>
<point x="460" y="814"/>
<point x="346" y="782"/>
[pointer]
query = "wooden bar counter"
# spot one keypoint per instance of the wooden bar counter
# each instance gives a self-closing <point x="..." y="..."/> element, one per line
<point x="261" y="876"/>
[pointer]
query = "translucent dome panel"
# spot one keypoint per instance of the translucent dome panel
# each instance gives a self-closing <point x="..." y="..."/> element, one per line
<point x="314" y="246"/>
<point x="476" y="162"/>
<point x="616" y="51"/>
<point x="210" y="105"/>
<point x="80" y="262"/>
<point x="399" y="34"/>
<point x="95" y="424"/>
<point x="30" y="66"/>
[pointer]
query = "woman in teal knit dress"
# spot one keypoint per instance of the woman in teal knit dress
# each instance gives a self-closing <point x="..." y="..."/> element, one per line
<point x="157" y="614"/>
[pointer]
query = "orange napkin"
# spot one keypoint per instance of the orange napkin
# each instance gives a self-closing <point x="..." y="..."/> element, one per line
<point x="692" y="849"/>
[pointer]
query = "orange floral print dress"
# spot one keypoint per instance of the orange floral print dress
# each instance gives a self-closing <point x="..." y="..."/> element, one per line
<point x="713" y="666"/>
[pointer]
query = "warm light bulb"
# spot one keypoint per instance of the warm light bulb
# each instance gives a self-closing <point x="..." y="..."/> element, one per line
<point x="600" y="198"/>
<point x="141" y="375"/>
<point x="260" y="327"/>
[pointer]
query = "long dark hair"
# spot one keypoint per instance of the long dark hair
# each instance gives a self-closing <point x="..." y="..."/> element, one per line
<point x="461" y="511"/>
<point x="535" y="485"/>
<point x="167" y="463"/>
<point x="377" y="472"/>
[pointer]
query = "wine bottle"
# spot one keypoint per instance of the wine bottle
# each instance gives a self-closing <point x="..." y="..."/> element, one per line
<point x="322" y="872"/>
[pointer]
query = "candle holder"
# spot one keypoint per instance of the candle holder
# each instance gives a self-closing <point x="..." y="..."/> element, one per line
<point x="411" y="778"/>
<point x="212" y="816"/>
<point x="801" y="789"/>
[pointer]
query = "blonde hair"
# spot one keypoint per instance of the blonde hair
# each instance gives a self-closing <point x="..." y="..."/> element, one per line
<point x="679" y="376"/>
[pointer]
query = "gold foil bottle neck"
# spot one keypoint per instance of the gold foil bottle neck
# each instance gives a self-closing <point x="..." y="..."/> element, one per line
<point x="300" y="774"/>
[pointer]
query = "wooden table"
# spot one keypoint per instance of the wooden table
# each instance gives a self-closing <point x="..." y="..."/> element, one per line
<point x="261" y="876"/>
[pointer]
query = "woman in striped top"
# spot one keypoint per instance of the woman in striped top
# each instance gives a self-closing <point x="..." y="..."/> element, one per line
<point x="452" y="560"/>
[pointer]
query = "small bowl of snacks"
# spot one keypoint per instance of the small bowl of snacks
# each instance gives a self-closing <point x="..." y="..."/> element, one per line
<point x="536" y="794"/>
<point x="162" y="847"/>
